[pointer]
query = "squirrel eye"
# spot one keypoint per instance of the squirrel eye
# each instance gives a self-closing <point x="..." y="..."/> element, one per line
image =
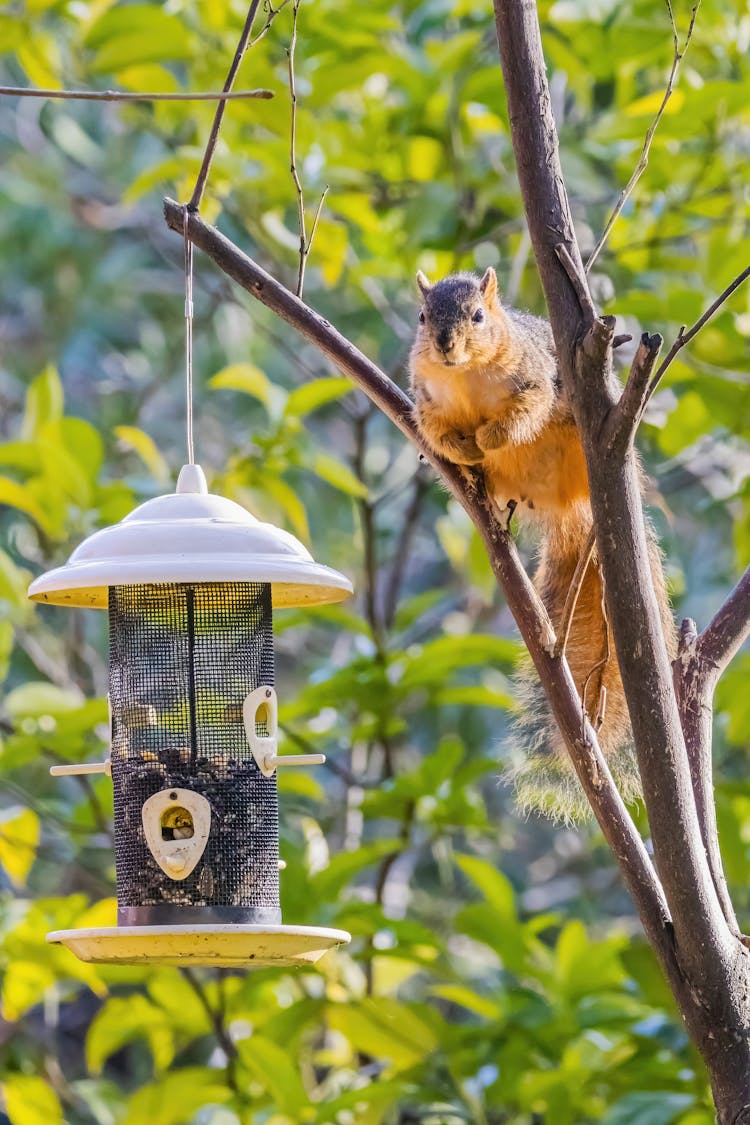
<point x="478" y="316"/>
<point x="421" y="316"/>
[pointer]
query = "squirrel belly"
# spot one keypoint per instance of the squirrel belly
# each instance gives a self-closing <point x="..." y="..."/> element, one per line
<point x="486" y="390"/>
<point x="546" y="474"/>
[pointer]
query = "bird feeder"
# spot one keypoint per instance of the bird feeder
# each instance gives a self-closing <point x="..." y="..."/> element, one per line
<point x="191" y="581"/>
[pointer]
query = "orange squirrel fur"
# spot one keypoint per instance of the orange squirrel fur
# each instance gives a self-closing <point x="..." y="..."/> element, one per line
<point x="486" y="389"/>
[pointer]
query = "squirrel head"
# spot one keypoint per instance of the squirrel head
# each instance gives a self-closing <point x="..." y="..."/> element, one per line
<point x="461" y="323"/>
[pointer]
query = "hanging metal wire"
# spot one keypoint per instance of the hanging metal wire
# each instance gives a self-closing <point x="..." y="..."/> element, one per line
<point x="188" y="336"/>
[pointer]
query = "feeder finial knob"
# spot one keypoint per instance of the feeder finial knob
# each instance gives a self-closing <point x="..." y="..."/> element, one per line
<point x="192" y="479"/>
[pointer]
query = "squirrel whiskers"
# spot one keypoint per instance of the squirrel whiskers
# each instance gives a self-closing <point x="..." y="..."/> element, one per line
<point x="486" y="389"/>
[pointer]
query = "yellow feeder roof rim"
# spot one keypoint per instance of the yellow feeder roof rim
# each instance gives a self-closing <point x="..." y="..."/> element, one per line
<point x="190" y="535"/>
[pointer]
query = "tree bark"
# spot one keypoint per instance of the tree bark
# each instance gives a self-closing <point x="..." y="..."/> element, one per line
<point x="712" y="985"/>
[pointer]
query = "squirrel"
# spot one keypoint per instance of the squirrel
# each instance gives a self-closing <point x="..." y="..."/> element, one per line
<point x="486" y="388"/>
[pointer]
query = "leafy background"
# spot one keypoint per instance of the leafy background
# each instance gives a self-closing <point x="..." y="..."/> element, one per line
<point x="497" y="973"/>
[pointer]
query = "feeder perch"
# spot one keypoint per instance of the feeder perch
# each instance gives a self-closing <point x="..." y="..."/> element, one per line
<point x="191" y="581"/>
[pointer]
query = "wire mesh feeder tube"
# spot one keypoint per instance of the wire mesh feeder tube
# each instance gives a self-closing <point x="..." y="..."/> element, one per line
<point x="183" y="658"/>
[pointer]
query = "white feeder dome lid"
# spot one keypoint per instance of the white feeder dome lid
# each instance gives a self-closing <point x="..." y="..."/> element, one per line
<point x="190" y="535"/>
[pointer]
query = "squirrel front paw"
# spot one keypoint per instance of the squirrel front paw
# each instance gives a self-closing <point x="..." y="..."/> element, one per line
<point x="462" y="449"/>
<point x="491" y="435"/>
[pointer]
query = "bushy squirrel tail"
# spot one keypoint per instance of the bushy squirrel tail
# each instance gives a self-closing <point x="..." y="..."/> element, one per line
<point x="541" y="769"/>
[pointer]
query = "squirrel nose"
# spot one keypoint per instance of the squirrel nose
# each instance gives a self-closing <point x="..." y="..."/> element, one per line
<point x="445" y="342"/>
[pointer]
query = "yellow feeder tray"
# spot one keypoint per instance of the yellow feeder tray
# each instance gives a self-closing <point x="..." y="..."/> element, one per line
<point x="230" y="946"/>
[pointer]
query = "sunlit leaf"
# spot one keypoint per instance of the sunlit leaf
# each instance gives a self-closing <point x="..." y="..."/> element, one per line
<point x="31" y="1101"/>
<point x="339" y="475"/>
<point x="244" y="377"/>
<point x="19" y="840"/>
<point x="145" y="446"/>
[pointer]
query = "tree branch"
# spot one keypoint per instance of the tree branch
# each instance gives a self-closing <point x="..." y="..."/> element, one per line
<point x="587" y="376"/>
<point x="697" y="669"/>
<point x="642" y="164"/>
<point x="624" y="419"/>
<point x="213" y="138"/>
<point x="133" y="96"/>
<point x="728" y="628"/>
<point x="694" y="682"/>
<point x="684" y="337"/>
<point x="707" y="954"/>
<point x="571" y="600"/>
<point x="469" y="489"/>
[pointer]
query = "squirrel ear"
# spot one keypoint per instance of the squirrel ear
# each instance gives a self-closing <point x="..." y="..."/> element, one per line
<point x="423" y="283"/>
<point x="488" y="285"/>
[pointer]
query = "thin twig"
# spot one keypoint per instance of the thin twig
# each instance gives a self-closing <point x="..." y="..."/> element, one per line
<point x="305" y="243"/>
<point x="403" y="547"/>
<point x="208" y="155"/>
<point x="577" y="279"/>
<point x="272" y="14"/>
<point x="684" y="337"/>
<point x="597" y="718"/>
<point x="642" y="164"/>
<point x="133" y="96"/>
<point x="574" y="590"/>
<point x="318" y="209"/>
<point x="293" y="150"/>
<point x="216" y="1019"/>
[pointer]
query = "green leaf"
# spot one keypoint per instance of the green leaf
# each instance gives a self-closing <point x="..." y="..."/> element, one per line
<point x="272" y="1066"/>
<point x="84" y="443"/>
<point x="386" y="1029"/>
<point x="585" y="967"/>
<point x="123" y="1019"/>
<point x="343" y="867"/>
<point x="434" y="662"/>
<point x="44" y="403"/>
<point x="40" y="698"/>
<point x="6" y="646"/>
<point x="146" y="448"/>
<point x="19" y="840"/>
<point x="30" y="1101"/>
<point x="13" y="583"/>
<point x="495" y="886"/>
<point x="176" y="1097"/>
<point x="338" y="475"/>
<point x="25" y="984"/>
<point x="290" y="503"/>
<point x="20" y="497"/>
<point x="656" y="1107"/>
<point x="245" y="377"/>
<point x="467" y="998"/>
<point x="136" y="34"/>
<point x="303" y="400"/>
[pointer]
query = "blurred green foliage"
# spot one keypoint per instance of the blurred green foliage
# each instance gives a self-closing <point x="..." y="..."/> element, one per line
<point x="497" y="973"/>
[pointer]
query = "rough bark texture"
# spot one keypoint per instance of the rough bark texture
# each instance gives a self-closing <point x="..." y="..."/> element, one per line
<point x="712" y="982"/>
